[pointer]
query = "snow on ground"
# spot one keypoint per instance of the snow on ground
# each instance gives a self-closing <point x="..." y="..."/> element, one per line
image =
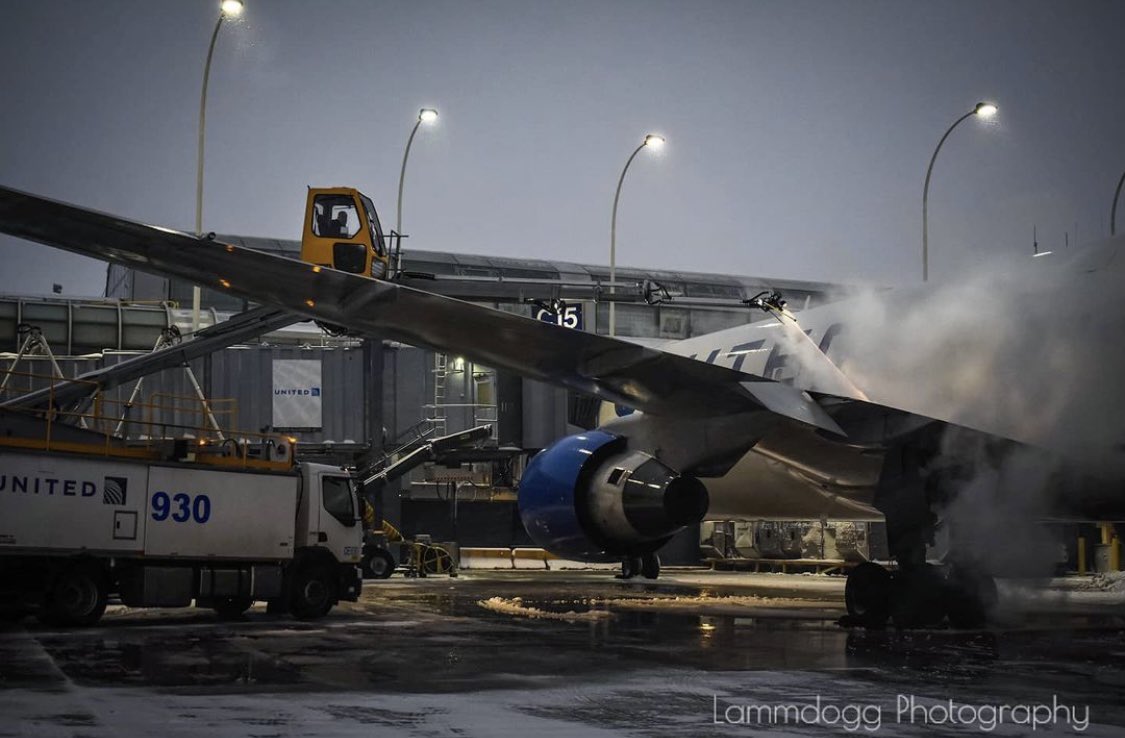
<point x="658" y="703"/>
<point x="1113" y="581"/>
<point x="515" y="606"/>
<point x="1071" y="594"/>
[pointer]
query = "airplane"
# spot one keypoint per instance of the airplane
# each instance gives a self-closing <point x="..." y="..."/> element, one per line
<point x="893" y="406"/>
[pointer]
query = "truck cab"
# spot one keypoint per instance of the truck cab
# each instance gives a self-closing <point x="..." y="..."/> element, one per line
<point x="330" y="542"/>
<point x="342" y="231"/>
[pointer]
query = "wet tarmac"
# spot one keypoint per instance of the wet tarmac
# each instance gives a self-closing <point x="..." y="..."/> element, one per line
<point x="560" y="653"/>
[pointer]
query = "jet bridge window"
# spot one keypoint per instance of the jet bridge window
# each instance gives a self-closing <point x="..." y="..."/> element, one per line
<point x="335" y="216"/>
<point x="336" y="493"/>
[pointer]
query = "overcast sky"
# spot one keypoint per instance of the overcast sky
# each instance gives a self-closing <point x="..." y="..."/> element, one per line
<point x="798" y="132"/>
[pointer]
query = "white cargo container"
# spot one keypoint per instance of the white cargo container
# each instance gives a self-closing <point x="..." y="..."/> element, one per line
<point x="75" y="529"/>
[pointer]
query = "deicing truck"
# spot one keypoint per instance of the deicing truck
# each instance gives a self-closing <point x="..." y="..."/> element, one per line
<point x="169" y="529"/>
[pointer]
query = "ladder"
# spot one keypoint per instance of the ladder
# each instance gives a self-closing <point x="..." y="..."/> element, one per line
<point x="437" y="417"/>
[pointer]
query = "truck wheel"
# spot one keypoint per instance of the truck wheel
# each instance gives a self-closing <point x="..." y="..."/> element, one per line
<point x="378" y="564"/>
<point x="77" y="597"/>
<point x="231" y="608"/>
<point x="313" y="592"/>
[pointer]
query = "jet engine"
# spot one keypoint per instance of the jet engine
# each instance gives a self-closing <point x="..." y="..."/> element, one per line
<point x="590" y="497"/>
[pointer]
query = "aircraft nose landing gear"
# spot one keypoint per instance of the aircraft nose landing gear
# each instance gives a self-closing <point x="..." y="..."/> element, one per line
<point x="647" y="565"/>
<point x="921" y="596"/>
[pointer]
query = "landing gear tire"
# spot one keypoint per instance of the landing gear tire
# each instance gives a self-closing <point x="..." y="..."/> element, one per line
<point x="650" y="565"/>
<point x="231" y="608"/>
<point x="312" y="593"/>
<point x="972" y="596"/>
<point x="77" y="597"/>
<point x="378" y="564"/>
<point x="631" y="566"/>
<point x="919" y="598"/>
<point x="867" y="595"/>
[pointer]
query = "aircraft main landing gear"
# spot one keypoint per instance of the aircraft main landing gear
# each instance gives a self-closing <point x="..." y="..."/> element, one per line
<point x="921" y="596"/>
<point x="867" y="595"/>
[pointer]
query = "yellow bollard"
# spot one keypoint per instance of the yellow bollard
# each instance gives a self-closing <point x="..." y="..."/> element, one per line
<point x="1115" y="554"/>
<point x="1081" y="556"/>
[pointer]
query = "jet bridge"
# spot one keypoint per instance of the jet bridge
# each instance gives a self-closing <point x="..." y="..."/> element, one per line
<point x="241" y="327"/>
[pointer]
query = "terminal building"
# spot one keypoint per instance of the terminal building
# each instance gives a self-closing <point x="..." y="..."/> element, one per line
<point x="347" y="398"/>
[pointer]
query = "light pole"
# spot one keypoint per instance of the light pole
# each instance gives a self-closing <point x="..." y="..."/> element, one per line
<point x="652" y="141"/>
<point x="427" y="116"/>
<point x="1113" y="210"/>
<point x="982" y="110"/>
<point x="227" y="9"/>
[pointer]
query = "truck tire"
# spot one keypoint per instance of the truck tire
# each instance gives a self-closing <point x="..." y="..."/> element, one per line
<point x="312" y="591"/>
<point x="231" y="608"/>
<point x="378" y="564"/>
<point x="77" y="597"/>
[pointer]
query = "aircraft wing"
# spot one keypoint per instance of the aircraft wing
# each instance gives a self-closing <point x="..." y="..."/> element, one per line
<point x="648" y="379"/>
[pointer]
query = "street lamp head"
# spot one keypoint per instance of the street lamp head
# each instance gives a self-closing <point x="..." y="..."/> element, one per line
<point x="985" y="110"/>
<point x="427" y="115"/>
<point x="654" y="142"/>
<point x="231" y="8"/>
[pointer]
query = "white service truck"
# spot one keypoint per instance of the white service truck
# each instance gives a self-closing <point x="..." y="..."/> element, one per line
<point x="76" y="529"/>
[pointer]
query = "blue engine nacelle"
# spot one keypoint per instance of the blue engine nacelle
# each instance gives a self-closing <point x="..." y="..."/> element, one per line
<point x="589" y="497"/>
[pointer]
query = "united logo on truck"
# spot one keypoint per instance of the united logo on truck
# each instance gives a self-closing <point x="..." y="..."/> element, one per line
<point x="50" y="486"/>
<point x="113" y="493"/>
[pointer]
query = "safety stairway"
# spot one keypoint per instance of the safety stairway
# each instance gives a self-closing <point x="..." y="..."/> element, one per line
<point x="382" y="472"/>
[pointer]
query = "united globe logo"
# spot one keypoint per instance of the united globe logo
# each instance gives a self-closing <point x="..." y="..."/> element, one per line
<point x="114" y="490"/>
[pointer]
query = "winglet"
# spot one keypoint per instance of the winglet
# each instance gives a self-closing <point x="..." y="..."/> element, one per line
<point x="792" y="403"/>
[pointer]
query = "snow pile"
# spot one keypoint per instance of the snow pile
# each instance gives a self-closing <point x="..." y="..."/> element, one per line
<point x="1112" y="581"/>
<point x="677" y="601"/>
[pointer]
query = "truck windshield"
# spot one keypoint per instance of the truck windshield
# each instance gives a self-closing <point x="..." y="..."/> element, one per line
<point x="376" y="228"/>
<point x="334" y="216"/>
<point x="337" y="496"/>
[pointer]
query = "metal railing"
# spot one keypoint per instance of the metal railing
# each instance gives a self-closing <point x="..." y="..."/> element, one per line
<point x="185" y="428"/>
